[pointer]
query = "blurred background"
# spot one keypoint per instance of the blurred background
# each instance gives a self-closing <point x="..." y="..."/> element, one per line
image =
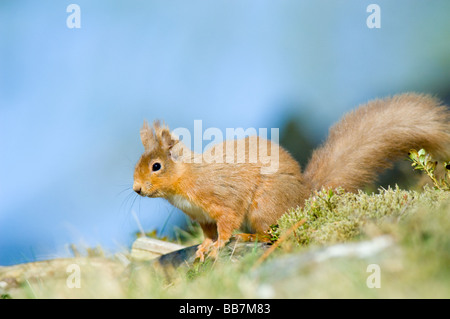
<point x="72" y="101"/>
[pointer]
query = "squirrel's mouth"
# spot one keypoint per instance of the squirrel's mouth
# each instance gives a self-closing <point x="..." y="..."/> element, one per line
<point x="153" y="194"/>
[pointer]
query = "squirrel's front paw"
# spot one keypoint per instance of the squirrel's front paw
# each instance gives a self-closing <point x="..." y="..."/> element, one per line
<point x="200" y="254"/>
<point x="203" y="249"/>
<point x="209" y="248"/>
<point x="214" y="253"/>
<point x="215" y="249"/>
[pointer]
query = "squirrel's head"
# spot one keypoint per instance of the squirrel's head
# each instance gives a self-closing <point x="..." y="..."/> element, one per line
<point x="156" y="171"/>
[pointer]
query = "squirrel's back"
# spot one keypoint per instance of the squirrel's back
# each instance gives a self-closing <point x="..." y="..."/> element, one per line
<point x="371" y="137"/>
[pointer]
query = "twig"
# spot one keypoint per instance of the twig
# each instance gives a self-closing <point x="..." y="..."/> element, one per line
<point x="234" y="248"/>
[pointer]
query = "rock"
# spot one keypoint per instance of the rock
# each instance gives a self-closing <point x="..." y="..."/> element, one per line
<point x="169" y="263"/>
<point x="145" y="248"/>
<point x="234" y="250"/>
<point x="165" y="253"/>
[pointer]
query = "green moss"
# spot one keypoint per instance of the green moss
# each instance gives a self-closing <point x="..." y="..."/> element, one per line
<point x="347" y="216"/>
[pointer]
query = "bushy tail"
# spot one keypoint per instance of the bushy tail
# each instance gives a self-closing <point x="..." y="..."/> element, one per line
<point x="368" y="139"/>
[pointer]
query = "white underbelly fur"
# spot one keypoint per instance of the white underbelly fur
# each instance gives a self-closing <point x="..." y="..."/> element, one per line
<point x="189" y="208"/>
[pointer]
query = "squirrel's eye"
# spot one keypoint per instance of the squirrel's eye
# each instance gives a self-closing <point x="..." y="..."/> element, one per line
<point x="156" y="167"/>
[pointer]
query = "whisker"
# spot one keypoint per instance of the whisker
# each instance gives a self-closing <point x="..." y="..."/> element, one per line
<point x="134" y="200"/>
<point x="127" y="200"/>
<point x="122" y="191"/>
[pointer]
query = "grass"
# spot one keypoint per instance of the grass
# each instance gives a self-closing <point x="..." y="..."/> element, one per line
<point x="416" y="265"/>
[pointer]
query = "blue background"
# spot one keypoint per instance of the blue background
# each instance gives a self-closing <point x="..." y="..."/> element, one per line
<point x="72" y="101"/>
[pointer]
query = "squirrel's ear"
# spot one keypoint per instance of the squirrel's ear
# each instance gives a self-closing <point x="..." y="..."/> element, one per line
<point x="179" y="152"/>
<point x="165" y="138"/>
<point x="147" y="136"/>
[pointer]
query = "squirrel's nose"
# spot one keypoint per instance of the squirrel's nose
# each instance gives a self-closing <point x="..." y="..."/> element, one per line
<point x="137" y="188"/>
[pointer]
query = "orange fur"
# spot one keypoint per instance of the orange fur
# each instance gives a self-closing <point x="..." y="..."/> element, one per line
<point x="224" y="197"/>
<point x="368" y="139"/>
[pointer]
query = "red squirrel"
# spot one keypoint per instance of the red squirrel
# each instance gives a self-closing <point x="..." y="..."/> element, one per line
<point x="223" y="197"/>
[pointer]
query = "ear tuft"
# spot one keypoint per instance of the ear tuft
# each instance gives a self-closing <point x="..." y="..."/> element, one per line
<point x="148" y="138"/>
<point x="163" y="136"/>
